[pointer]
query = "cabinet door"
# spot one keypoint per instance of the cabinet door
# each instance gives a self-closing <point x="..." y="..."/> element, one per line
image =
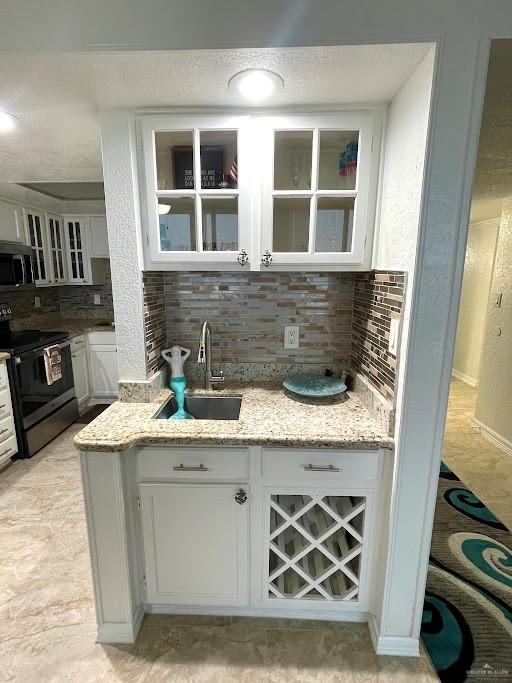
<point x="198" y="191"/>
<point x="37" y="238"/>
<point x="11" y="224"/>
<point x="99" y="237"/>
<point x="56" y="249"/>
<point x="79" y="266"/>
<point x="81" y="375"/>
<point x="195" y="544"/>
<point x="104" y="371"/>
<point x="319" y="190"/>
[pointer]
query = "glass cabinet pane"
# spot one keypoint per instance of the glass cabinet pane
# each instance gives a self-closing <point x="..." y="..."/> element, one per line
<point x="177" y="224"/>
<point x="291" y="224"/>
<point x="337" y="168"/>
<point x="334" y="224"/>
<point x="220" y="223"/>
<point x="174" y="160"/>
<point x="293" y="153"/>
<point x="219" y="159"/>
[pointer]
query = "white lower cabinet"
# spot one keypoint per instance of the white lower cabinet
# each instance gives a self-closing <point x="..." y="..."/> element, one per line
<point x="8" y="442"/>
<point x="103" y="368"/>
<point x="81" y="375"/>
<point x="195" y="543"/>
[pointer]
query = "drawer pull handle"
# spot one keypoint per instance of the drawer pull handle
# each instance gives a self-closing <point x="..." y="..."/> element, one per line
<point x="2" y="431"/>
<point x="4" y="452"/>
<point x="2" y="406"/>
<point x="321" y="468"/>
<point x="190" y="468"/>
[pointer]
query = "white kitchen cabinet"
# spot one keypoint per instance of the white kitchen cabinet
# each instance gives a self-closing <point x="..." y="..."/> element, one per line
<point x="56" y="249"/>
<point x="195" y="544"/>
<point x="99" y="237"/>
<point x="85" y="246"/>
<point x="11" y="223"/>
<point x="8" y="441"/>
<point x="37" y="238"/>
<point x="198" y="193"/>
<point x="103" y="368"/>
<point x="80" y="370"/>
<point x="294" y="192"/>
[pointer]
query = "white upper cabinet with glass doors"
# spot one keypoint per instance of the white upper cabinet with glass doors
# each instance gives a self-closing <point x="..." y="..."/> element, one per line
<point x="57" y="250"/>
<point x="280" y="192"/>
<point x="197" y="174"/>
<point x="37" y="238"/>
<point x="318" y="190"/>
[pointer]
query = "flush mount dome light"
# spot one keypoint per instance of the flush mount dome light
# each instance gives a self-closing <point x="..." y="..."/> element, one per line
<point x="255" y="85"/>
<point x="8" y="122"/>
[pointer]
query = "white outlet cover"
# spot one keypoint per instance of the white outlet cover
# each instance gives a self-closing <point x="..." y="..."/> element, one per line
<point x="393" y="336"/>
<point x="291" y="337"/>
<point x="97" y="299"/>
<point x="37" y="302"/>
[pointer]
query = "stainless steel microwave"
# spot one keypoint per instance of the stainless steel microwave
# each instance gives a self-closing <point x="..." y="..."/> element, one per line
<point x="15" y="267"/>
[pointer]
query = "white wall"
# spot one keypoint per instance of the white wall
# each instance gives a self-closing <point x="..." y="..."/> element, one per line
<point x="478" y="267"/>
<point x="494" y="403"/>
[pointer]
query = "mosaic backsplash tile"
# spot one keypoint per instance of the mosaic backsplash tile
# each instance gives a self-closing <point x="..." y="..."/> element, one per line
<point x="248" y="312"/>
<point x="154" y="320"/>
<point x="378" y="297"/>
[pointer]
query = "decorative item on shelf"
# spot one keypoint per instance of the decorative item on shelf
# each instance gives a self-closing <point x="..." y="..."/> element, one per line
<point x="314" y="387"/>
<point x="347" y="162"/>
<point x="212" y="167"/>
<point x="176" y="357"/>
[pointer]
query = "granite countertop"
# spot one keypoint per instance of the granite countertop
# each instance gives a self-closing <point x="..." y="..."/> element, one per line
<point x="4" y="356"/>
<point x="73" y="326"/>
<point x="267" y="417"/>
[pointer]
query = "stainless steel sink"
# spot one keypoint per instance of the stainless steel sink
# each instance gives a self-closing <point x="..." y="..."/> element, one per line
<point x="204" y="408"/>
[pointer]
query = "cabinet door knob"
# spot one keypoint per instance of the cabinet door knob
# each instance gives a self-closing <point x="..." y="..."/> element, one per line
<point x="240" y="496"/>
<point x="266" y="259"/>
<point x="242" y="257"/>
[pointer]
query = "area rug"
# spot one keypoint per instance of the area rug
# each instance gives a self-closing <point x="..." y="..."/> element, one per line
<point x="467" y="615"/>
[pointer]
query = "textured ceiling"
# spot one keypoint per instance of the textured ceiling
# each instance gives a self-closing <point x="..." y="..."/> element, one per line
<point x="57" y="97"/>
<point x="69" y="191"/>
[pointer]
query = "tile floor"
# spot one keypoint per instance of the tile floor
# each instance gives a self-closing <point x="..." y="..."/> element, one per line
<point x="47" y="622"/>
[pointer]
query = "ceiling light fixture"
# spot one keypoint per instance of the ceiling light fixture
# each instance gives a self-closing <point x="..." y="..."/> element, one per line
<point x="163" y="209"/>
<point x="255" y="85"/>
<point x="8" y="122"/>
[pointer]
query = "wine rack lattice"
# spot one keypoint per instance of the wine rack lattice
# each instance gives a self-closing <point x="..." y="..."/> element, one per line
<point x="315" y="546"/>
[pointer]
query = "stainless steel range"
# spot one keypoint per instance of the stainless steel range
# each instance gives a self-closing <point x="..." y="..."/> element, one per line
<point x="41" y="410"/>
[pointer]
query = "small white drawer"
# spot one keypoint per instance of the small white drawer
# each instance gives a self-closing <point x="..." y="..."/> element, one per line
<point x="201" y="464"/>
<point x="4" y="378"/>
<point x="315" y="464"/>
<point x="8" y="448"/>
<point x="77" y="342"/>
<point x="5" y="403"/>
<point x="6" y="428"/>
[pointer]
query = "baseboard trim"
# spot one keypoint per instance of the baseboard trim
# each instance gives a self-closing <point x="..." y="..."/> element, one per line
<point x="492" y="436"/>
<point x="121" y="632"/>
<point x="323" y="615"/>
<point x="399" y="646"/>
<point x="465" y="378"/>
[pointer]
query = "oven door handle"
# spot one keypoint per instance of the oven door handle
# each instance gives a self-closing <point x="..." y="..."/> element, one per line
<point x="37" y="352"/>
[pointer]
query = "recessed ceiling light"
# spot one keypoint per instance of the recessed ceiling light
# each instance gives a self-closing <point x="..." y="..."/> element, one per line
<point x="8" y="122"/>
<point x="255" y="85"/>
<point x="163" y="209"/>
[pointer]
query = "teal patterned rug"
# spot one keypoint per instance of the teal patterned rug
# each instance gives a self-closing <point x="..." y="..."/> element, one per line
<point x="467" y="615"/>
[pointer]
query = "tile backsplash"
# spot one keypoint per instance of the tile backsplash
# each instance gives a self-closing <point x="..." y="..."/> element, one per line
<point x="378" y="297"/>
<point x="248" y="313"/>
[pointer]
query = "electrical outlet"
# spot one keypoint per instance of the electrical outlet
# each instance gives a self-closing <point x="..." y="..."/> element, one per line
<point x="97" y="299"/>
<point x="37" y="302"/>
<point x="291" y="337"/>
<point x="393" y="336"/>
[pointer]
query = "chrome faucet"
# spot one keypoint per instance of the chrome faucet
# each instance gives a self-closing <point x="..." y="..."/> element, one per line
<point x="205" y="356"/>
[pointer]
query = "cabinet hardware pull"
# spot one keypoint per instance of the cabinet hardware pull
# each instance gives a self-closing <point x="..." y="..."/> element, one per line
<point x="2" y="406"/>
<point x="4" y="452"/>
<point x="2" y="431"/>
<point x="321" y="468"/>
<point x="242" y="257"/>
<point x="266" y="259"/>
<point x="240" y="496"/>
<point x="190" y="468"/>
